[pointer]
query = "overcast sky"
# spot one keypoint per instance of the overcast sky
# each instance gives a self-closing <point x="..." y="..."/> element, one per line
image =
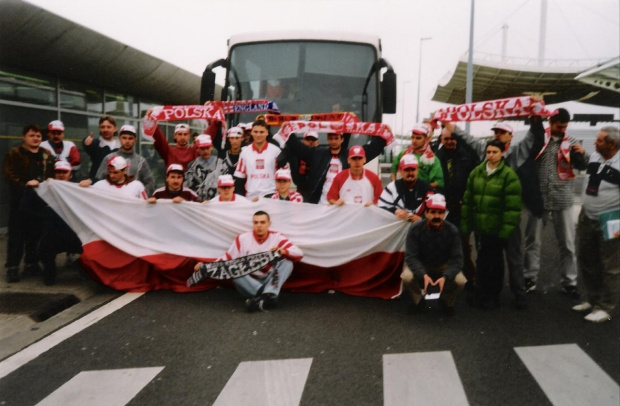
<point x="193" y="33"/>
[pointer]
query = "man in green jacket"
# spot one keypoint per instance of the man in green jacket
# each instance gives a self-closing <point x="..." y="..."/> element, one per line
<point x="492" y="209"/>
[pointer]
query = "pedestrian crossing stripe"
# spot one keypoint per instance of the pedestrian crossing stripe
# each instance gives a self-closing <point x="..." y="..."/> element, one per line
<point x="566" y="374"/>
<point x="266" y="383"/>
<point x="114" y="387"/>
<point x="430" y="378"/>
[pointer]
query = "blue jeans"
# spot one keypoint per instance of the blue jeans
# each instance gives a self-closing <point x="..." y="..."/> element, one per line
<point x="249" y="285"/>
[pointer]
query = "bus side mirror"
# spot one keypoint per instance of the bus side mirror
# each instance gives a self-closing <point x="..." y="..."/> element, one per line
<point x="207" y="84"/>
<point x="388" y="92"/>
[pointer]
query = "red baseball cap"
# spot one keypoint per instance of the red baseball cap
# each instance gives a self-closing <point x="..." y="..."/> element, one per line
<point x="357" y="151"/>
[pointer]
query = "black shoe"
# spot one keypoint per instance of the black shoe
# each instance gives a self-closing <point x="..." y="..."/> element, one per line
<point x="254" y="304"/>
<point x="270" y="300"/>
<point x="571" y="291"/>
<point x="530" y="285"/>
<point x="12" y="274"/>
<point x="520" y="303"/>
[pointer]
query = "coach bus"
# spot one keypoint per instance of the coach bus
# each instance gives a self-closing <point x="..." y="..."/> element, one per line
<point x="306" y="72"/>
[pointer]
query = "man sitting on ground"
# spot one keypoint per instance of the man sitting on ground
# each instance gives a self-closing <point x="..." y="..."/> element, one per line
<point x="261" y="288"/>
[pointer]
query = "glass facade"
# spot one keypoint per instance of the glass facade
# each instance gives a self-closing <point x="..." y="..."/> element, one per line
<point x="29" y="98"/>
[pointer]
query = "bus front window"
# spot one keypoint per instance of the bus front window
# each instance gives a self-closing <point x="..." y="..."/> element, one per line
<point x="306" y="76"/>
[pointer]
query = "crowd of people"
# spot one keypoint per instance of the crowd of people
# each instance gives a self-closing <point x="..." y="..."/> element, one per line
<point x="449" y="190"/>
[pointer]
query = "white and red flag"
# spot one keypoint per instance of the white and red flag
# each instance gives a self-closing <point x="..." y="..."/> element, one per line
<point x="131" y="245"/>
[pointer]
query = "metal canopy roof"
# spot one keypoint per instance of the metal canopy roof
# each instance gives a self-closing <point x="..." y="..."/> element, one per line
<point x="498" y="81"/>
<point x="39" y="41"/>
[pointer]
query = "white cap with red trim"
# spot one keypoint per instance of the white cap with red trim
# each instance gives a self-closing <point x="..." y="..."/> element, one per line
<point x="128" y="129"/>
<point x="174" y="168"/>
<point x="118" y="162"/>
<point x="62" y="166"/>
<point x="56" y="125"/>
<point x="203" y="140"/>
<point x="436" y="201"/>
<point x="420" y="129"/>
<point x="283" y="174"/>
<point x="225" y="181"/>
<point x="408" y="161"/>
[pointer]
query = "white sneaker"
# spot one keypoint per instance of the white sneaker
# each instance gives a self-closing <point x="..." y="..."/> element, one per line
<point x="582" y="307"/>
<point x="598" y="316"/>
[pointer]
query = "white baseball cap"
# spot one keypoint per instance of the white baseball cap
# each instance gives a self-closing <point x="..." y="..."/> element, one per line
<point x="408" y="161"/>
<point x="63" y="166"/>
<point x="420" y="129"/>
<point x="118" y="162"/>
<point x="503" y="127"/>
<point x="436" y="201"/>
<point x="312" y="134"/>
<point x="180" y="127"/>
<point x="283" y="174"/>
<point x="174" y="168"/>
<point x="203" y="140"/>
<point x="56" y="125"/>
<point x="128" y="128"/>
<point x="235" y="132"/>
<point x="225" y="181"/>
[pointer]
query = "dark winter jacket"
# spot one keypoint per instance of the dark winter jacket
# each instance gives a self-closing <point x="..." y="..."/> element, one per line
<point x="492" y="204"/>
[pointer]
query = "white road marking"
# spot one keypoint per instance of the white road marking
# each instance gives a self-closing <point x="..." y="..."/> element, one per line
<point x="266" y="383"/>
<point x="568" y="376"/>
<point x="114" y="387"/>
<point x="26" y="355"/>
<point x="425" y="378"/>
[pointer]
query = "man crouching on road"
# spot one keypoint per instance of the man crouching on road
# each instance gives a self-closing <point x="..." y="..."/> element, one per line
<point x="434" y="256"/>
<point x="261" y="288"/>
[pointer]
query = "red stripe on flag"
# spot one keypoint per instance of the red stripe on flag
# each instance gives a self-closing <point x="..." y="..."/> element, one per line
<point x="374" y="275"/>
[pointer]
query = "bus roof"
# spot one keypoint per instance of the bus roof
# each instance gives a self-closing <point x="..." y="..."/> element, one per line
<point x="336" y="36"/>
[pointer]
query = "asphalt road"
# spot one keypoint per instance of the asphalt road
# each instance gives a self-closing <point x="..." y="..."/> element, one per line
<point x="200" y="340"/>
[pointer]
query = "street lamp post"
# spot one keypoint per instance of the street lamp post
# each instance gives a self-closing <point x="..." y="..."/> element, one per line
<point x="417" y="109"/>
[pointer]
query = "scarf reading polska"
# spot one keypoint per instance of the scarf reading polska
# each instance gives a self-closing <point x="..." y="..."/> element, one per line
<point x="492" y="110"/>
<point x="234" y="268"/>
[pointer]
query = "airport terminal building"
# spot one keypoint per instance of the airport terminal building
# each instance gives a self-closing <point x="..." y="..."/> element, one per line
<point x="54" y="69"/>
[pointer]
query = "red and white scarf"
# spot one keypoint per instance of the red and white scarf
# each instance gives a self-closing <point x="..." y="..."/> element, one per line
<point x="211" y="111"/>
<point x="374" y="129"/>
<point x="565" y="170"/>
<point x="523" y="106"/>
<point x="279" y="119"/>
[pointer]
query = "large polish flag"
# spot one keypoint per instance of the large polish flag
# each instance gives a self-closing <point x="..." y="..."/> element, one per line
<point x="131" y="245"/>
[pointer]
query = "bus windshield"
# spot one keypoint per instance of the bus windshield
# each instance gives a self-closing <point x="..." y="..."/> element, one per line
<point x="305" y="77"/>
